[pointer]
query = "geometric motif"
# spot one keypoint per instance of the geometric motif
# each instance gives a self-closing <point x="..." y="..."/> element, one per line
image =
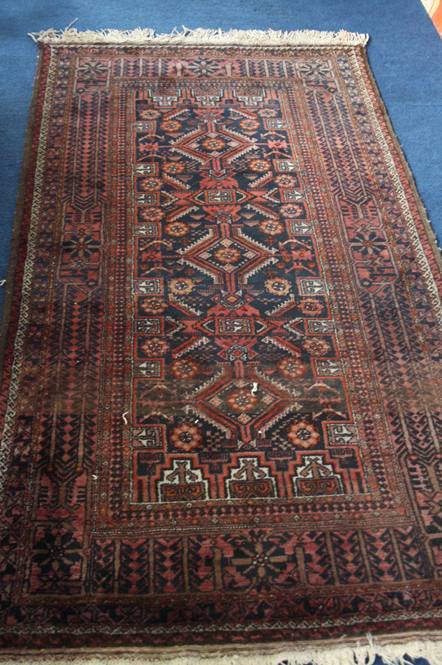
<point x="224" y="203"/>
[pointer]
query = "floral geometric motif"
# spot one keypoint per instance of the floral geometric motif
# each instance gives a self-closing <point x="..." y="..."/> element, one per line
<point x="226" y="205"/>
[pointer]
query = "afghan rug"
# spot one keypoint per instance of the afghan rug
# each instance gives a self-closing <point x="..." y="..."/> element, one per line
<point x="220" y="394"/>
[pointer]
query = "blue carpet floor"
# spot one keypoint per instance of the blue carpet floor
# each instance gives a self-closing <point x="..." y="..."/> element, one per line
<point x="405" y="54"/>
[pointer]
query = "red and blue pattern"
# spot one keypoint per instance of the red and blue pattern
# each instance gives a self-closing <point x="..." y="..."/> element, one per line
<point x="221" y="411"/>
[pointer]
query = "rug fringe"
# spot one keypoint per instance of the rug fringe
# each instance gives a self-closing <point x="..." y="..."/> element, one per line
<point x="392" y="653"/>
<point x="187" y="36"/>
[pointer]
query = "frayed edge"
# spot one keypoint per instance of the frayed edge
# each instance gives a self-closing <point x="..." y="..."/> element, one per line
<point x="401" y="652"/>
<point x="201" y="36"/>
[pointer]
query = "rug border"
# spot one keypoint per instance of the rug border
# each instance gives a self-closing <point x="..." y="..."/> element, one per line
<point x="342" y="651"/>
<point x="411" y="181"/>
<point x="200" y="36"/>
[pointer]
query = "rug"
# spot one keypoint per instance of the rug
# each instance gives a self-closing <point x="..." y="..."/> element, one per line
<point x="220" y="390"/>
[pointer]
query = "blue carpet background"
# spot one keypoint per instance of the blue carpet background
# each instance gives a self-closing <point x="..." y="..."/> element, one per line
<point x="405" y="53"/>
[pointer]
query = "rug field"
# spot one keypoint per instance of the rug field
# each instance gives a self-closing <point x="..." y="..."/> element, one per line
<point x="220" y="398"/>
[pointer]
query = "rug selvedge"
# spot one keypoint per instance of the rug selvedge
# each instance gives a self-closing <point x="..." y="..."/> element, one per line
<point x="232" y="269"/>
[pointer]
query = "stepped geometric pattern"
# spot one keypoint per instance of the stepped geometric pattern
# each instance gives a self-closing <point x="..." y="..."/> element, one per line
<point x="220" y="385"/>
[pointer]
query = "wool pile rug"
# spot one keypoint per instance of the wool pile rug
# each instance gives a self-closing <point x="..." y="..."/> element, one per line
<point x="220" y="391"/>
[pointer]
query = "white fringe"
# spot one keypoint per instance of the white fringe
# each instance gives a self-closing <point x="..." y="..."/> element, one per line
<point x="392" y="652"/>
<point x="210" y="37"/>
